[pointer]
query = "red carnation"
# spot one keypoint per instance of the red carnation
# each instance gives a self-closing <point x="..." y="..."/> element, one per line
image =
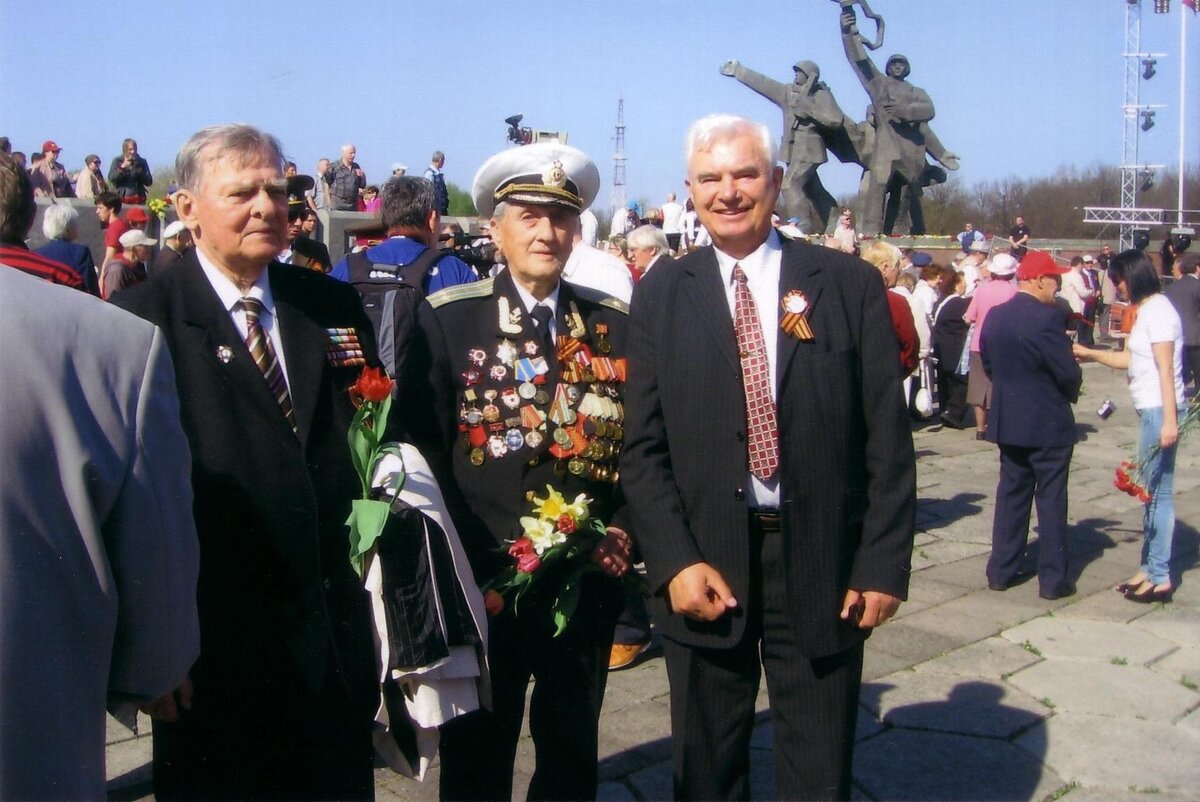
<point x="566" y="524"/>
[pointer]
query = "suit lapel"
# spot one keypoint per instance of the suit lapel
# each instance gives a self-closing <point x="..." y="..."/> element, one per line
<point x="304" y="344"/>
<point x="796" y="272"/>
<point x="218" y="340"/>
<point x="704" y="294"/>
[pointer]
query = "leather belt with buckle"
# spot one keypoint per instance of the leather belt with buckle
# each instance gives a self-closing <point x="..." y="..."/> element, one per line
<point x="768" y="520"/>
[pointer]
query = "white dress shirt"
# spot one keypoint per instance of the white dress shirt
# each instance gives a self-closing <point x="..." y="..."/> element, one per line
<point x="592" y="267"/>
<point x="229" y="294"/>
<point x="762" y="279"/>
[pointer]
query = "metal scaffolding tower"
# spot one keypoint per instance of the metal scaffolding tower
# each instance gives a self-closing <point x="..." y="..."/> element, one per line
<point x="618" y="180"/>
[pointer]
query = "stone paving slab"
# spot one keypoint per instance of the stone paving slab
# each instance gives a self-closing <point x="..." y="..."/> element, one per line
<point x="940" y="766"/>
<point x="994" y="658"/>
<point x="1182" y="666"/>
<point x="927" y="593"/>
<point x="1125" y="692"/>
<point x="1104" y="752"/>
<point x="1081" y="639"/>
<point x="1175" y="622"/>
<point x="965" y="705"/>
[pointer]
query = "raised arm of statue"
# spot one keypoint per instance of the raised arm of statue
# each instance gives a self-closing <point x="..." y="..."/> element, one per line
<point x="772" y="90"/>
<point x="856" y="54"/>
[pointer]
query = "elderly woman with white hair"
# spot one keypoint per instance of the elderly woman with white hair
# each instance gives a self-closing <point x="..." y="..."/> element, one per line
<point x="60" y="226"/>
<point x="648" y="247"/>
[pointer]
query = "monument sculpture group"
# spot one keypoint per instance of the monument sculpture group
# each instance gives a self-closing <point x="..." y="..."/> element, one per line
<point x="893" y="144"/>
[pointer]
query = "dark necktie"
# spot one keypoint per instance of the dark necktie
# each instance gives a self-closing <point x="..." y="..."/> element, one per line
<point x="264" y="356"/>
<point x="542" y="315"/>
<point x="762" y="434"/>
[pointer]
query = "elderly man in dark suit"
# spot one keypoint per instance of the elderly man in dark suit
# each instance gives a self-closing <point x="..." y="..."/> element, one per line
<point x="512" y="388"/>
<point x="1184" y="294"/>
<point x="1035" y="379"/>
<point x="770" y="470"/>
<point x="280" y="702"/>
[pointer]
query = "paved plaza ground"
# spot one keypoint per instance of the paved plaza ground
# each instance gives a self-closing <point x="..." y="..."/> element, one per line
<point x="968" y="694"/>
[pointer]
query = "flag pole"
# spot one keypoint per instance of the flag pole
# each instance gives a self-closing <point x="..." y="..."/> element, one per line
<point x="1183" y="10"/>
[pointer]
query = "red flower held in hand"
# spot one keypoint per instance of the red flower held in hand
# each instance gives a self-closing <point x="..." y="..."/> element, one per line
<point x="528" y="563"/>
<point x="372" y="385"/>
<point x="566" y="524"/>
<point x="520" y="548"/>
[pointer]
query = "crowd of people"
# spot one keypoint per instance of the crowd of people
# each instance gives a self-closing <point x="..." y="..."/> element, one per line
<point x="687" y="383"/>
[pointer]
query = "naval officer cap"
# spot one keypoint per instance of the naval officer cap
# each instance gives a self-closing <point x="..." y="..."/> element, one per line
<point x="542" y="174"/>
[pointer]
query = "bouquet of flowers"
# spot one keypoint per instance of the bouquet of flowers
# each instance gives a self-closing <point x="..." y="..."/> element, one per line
<point x="1131" y="475"/>
<point x="372" y="397"/>
<point x="558" y="532"/>
<point x="159" y="206"/>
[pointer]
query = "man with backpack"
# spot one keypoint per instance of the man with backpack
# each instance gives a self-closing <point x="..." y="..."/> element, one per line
<point x="394" y="276"/>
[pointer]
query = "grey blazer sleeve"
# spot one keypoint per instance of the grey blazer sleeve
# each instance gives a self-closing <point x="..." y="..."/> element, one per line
<point x="152" y="547"/>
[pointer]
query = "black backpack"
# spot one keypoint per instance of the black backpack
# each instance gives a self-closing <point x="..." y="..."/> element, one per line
<point x="390" y="295"/>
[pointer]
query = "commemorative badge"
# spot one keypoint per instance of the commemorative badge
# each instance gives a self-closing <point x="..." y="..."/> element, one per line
<point x="510" y="319"/>
<point x="224" y="353"/>
<point x="795" y="316"/>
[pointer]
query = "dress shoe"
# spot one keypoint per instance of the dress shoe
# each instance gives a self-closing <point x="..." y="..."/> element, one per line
<point x="998" y="586"/>
<point x="950" y="423"/>
<point x="1153" y="593"/>
<point x="623" y="654"/>
<point x="1058" y="593"/>
<point x="980" y="435"/>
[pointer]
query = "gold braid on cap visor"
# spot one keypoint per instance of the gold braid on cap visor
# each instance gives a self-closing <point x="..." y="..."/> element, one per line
<point x="539" y="193"/>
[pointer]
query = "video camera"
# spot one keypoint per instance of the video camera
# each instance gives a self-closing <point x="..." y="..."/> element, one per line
<point x="468" y="247"/>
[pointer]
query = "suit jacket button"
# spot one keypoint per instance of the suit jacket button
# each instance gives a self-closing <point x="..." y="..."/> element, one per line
<point x="741" y="436"/>
<point x="328" y="584"/>
<point x="739" y="494"/>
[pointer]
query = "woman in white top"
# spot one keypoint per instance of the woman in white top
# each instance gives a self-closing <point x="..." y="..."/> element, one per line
<point x="1153" y="357"/>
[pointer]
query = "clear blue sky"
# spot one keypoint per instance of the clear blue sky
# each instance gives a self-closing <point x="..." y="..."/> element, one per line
<point x="1022" y="87"/>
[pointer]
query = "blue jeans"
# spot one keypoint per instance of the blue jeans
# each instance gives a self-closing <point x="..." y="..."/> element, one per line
<point x="1158" y="522"/>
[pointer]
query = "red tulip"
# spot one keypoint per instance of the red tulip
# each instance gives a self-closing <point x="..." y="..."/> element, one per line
<point x="528" y="563"/>
<point x="520" y="548"/>
<point x="372" y="385"/>
<point x="566" y="524"/>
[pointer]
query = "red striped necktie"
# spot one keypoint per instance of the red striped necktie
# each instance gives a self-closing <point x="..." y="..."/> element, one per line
<point x="762" y="433"/>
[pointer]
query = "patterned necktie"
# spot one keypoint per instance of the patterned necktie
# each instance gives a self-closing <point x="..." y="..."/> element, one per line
<point x="264" y="356"/>
<point x="542" y="315"/>
<point x="762" y="432"/>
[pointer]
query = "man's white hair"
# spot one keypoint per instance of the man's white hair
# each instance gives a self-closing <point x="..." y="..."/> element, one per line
<point x="243" y="143"/>
<point x="648" y="237"/>
<point x="705" y="132"/>
<point x="58" y="219"/>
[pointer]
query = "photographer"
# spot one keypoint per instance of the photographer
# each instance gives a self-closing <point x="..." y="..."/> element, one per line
<point x="129" y="174"/>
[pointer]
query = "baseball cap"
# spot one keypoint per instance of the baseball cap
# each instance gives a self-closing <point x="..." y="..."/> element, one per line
<point x="1003" y="264"/>
<point x="50" y="145"/>
<point x="1037" y="264"/>
<point x="174" y="230"/>
<point x="135" y="236"/>
<point x="136" y="215"/>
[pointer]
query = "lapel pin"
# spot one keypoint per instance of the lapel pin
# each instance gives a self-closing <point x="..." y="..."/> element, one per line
<point x="224" y="353"/>
<point x="795" y="316"/>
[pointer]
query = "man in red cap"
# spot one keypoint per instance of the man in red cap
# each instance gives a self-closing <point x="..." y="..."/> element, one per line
<point x="1035" y="379"/>
<point x="49" y="177"/>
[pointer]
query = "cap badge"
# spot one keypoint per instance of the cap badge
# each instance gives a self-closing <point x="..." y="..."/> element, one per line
<point x="555" y="176"/>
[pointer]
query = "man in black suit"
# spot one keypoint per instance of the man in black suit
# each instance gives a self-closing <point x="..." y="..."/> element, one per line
<point x="770" y="470"/>
<point x="515" y="383"/>
<point x="1035" y="379"/>
<point x="280" y="702"/>
<point x="1184" y="294"/>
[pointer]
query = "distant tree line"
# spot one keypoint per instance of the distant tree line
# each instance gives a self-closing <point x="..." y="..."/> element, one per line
<point x="1052" y="205"/>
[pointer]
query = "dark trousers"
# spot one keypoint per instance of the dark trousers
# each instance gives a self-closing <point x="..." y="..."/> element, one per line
<point x="283" y="742"/>
<point x="478" y="750"/>
<point x="813" y="701"/>
<point x="1028" y="475"/>
<point x="952" y="397"/>
<point x="1191" y="364"/>
<point x="633" y="625"/>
